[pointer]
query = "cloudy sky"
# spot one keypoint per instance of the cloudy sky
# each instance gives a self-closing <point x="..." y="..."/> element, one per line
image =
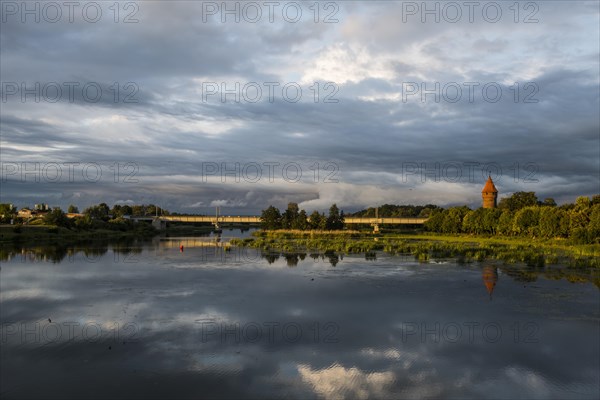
<point x="354" y="102"/>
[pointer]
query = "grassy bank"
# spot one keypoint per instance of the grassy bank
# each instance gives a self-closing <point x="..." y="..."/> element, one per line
<point x="465" y="248"/>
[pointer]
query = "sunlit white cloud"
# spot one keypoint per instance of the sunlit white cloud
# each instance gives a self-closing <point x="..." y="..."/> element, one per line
<point x="338" y="382"/>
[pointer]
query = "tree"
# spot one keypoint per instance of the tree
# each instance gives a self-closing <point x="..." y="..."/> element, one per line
<point x="453" y="219"/>
<point x="553" y="222"/>
<point x="473" y="222"/>
<point x="482" y="220"/>
<point x="138" y="211"/>
<point x="582" y="203"/>
<point x="73" y="209"/>
<point x="391" y="210"/>
<point x="505" y="222"/>
<point x="301" y="221"/>
<point x="56" y="217"/>
<point x="118" y="211"/>
<point x="126" y="210"/>
<point x="427" y="211"/>
<point x="518" y="200"/>
<point x="83" y="223"/>
<point x="335" y="220"/>
<point x="491" y="218"/>
<point x="594" y="225"/>
<point x="151" y="210"/>
<point x="270" y="218"/>
<point x="435" y="221"/>
<point x="104" y="210"/>
<point x="317" y="220"/>
<point x="526" y="221"/>
<point x="579" y="218"/>
<point x="98" y="212"/>
<point x="549" y="201"/>
<point x="289" y="217"/>
<point x="7" y="212"/>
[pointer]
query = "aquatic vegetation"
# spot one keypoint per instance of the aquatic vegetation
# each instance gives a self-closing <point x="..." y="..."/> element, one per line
<point x="532" y="253"/>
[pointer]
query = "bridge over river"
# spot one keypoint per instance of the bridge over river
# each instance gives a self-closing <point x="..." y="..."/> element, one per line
<point x="218" y="220"/>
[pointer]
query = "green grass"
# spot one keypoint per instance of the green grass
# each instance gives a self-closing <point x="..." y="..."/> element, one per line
<point x="465" y="248"/>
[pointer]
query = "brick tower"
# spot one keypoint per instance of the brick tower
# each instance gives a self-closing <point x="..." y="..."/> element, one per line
<point x="489" y="194"/>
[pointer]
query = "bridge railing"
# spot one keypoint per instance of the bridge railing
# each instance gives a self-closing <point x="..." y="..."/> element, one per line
<point x="256" y="219"/>
<point x="385" y="220"/>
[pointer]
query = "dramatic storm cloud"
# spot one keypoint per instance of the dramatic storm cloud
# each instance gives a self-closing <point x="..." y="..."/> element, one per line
<point x="193" y="105"/>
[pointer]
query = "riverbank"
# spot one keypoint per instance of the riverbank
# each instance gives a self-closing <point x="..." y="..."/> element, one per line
<point x="424" y="246"/>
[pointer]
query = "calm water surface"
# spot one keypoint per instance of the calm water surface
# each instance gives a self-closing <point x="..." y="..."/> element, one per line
<point x="150" y="321"/>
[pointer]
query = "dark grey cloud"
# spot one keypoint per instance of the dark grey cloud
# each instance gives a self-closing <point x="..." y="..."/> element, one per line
<point x="371" y="135"/>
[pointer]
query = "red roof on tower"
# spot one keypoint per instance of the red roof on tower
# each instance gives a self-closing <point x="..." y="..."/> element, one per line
<point x="489" y="186"/>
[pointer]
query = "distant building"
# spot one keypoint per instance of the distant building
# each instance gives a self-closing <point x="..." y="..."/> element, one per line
<point x="27" y="213"/>
<point x="24" y="213"/>
<point x="42" y="207"/>
<point x="489" y="194"/>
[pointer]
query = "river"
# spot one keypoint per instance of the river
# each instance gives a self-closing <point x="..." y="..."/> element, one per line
<point x="151" y="320"/>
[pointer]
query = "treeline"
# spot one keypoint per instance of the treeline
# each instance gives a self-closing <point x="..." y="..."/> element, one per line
<point x="102" y="211"/>
<point x="100" y="216"/>
<point x="523" y="215"/>
<point x="294" y="218"/>
<point x="396" y="211"/>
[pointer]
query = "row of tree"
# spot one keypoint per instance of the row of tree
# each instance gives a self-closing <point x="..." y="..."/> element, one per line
<point x="513" y="203"/>
<point x="579" y="221"/>
<point x="93" y="217"/>
<point x="520" y="214"/>
<point x="294" y="218"/>
<point x="102" y="211"/>
<point x="397" y="211"/>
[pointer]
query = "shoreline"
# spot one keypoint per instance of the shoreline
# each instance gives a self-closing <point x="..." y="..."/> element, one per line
<point x="50" y="234"/>
<point x="426" y="246"/>
<point x="423" y="246"/>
